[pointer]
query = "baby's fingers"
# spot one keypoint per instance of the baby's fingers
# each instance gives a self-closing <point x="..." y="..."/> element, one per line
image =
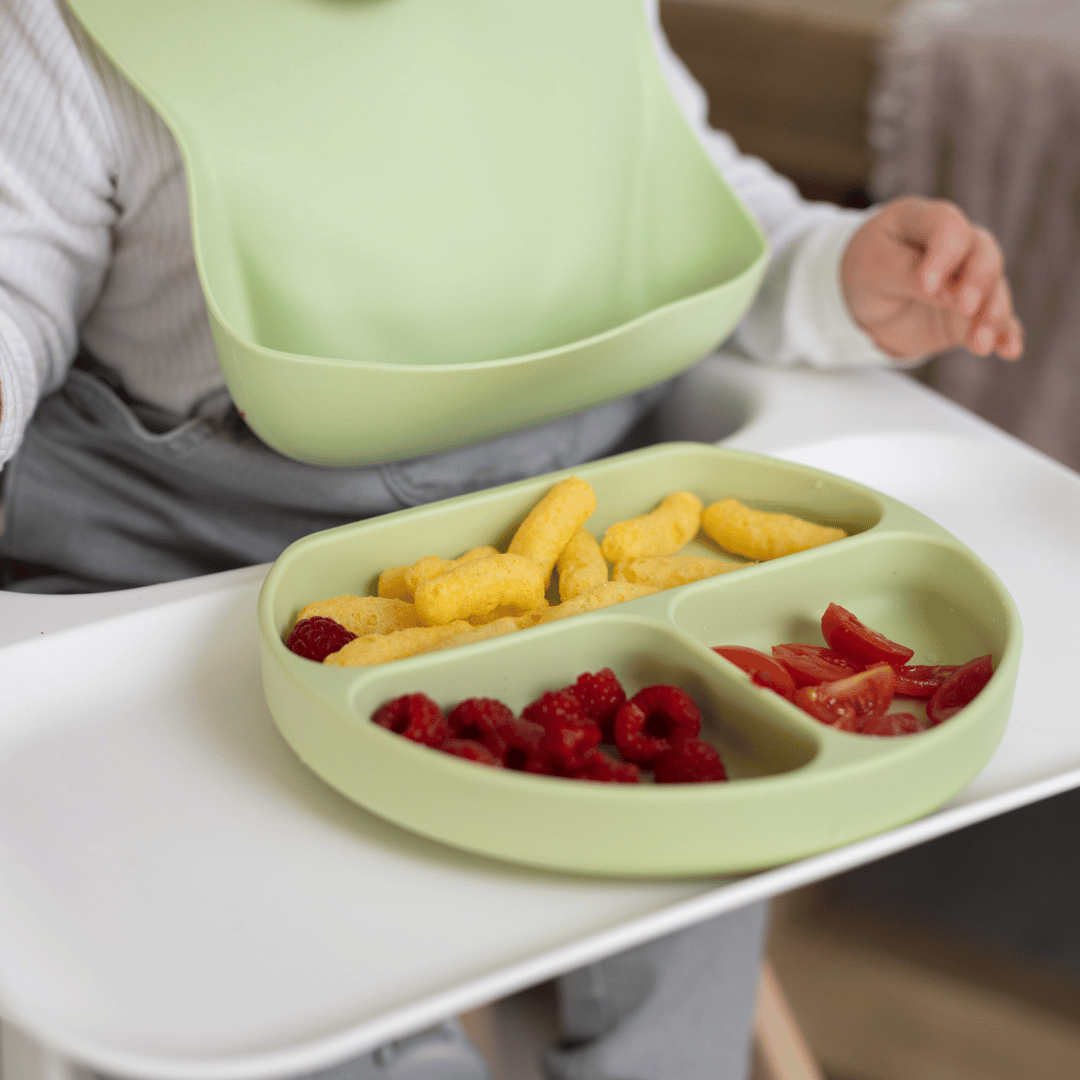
<point x="944" y="240"/>
<point x="973" y="286"/>
<point x="994" y="327"/>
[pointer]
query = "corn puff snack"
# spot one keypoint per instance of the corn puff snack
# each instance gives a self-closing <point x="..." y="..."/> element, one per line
<point x="432" y="566"/>
<point x="479" y="587"/>
<point x="552" y="522"/>
<point x="503" y="611"/>
<point x="392" y="584"/>
<point x="761" y="535"/>
<point x="364" y="614"/>
<point x="380" y="648"/>
<point x="611" y="592"/>
<point x="669" y="571"/>
<point x="496" y="628"/>
<point x="660" y="532"/>
<point x="581" y="566"/>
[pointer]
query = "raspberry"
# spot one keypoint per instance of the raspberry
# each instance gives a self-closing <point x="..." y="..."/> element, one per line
<point x="689" y="761"/>
<point x="480" y="720"/>
<point x="318" y="637"/>
<point x="605" y="769"/>
<point x="600" y="696"/>
<point x="894" y="723"/>
<point x="524" y="747"/>
<point x="553" y="706"/>
<point x="478" y="716"/>
<point x="569" y="734"/>
<point x="471" y="751"/>
<point x="646" y="725"/>
<point x="416" y="717"/>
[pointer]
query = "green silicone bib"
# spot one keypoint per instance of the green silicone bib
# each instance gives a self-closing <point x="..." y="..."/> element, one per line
<point x="418" y="223"/>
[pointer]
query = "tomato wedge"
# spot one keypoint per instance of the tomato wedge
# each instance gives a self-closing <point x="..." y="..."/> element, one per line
<point x="960" y="688"/>
<point x="846" y="634"/>
<point x="761" y="667"/>
<point x="894" y="723"/>
<point x="921" y="680"/>
<point x="812" y="664"/>
<point x="847" y="704"/>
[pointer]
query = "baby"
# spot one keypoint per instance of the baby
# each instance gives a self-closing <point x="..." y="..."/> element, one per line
<point x="125" y="462"/>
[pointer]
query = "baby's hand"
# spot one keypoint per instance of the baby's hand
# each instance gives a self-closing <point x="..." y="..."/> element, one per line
<point x="920" y="278"/>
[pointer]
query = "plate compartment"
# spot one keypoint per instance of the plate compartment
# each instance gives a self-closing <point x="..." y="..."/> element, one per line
<point x="797" y="787"/>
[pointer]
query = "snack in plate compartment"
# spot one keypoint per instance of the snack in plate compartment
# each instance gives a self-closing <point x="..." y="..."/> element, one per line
<point x="611" y="592"/>
<point x="662" y="531"/>
<point x="496" y="628"/>
<point x="551" y="523"/>
<point x="432" y="566"/>
<point x="399" y="582"/>
<point x="581" y="566"/>
<point x="762" y="534"/>
<point x="498" y="593"/>
<point x="670" y="571"/>
<point x="364" y="614"/>
<point x="379" y="648"/>
<point x="559" y="734"/>
<point x="506" y="611"/>
<point x="479" y="586"/>
<point x="392" y="584"/>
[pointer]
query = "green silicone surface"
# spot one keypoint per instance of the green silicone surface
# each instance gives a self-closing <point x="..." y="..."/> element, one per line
<point x="418" y="223"/>
<point x="797" y="787"/>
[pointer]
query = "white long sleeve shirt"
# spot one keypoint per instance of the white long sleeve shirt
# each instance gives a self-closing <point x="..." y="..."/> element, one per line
<point x="95" y="237"/>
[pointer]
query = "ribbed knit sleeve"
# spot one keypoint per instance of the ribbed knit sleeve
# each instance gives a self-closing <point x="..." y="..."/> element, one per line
<point x="95" y="230"/>
<point x="56" y="209"/>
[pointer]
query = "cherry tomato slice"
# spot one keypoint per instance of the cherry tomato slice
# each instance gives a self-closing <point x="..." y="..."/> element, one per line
<point x="813" y="664"/>
<point x="894" y="723"/>
<point x="845" y="633"/>
<point x="761" y="667"/>
<point x="847" y="704"/>
<point x="921" y="680"/>
<point x="959" y="689"/>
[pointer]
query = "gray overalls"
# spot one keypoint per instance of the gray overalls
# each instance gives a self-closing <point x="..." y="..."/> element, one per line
<point x="109" y="493"/>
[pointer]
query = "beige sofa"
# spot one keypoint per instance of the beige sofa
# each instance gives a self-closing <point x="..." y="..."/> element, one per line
<point x="789" y="79"/>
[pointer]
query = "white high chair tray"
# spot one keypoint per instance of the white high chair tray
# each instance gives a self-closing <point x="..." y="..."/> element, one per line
<point x="181" y="898"/>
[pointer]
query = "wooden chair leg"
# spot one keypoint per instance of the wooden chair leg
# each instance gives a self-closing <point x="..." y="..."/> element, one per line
<point x="781" y="1046"/>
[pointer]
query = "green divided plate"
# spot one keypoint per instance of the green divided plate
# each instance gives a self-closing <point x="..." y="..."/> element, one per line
<point x="797" y="787"/>
<point x="420" y="223"/>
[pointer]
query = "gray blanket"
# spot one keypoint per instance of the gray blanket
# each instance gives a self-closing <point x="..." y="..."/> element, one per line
<point x="979" y="101"/>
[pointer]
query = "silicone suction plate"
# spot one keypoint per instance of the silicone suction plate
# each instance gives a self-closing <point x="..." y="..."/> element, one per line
<point x="797" y="787"/>
<point x="419" y="223"/>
